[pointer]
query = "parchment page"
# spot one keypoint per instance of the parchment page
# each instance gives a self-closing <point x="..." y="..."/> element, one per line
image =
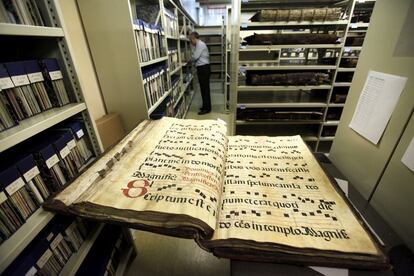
<point x="276" y="192"/>
<point x="176" y="167"/>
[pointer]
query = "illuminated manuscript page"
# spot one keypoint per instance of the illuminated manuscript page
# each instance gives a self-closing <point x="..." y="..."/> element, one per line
<point x="275" y="191"/>
<point x="177" y="167"/>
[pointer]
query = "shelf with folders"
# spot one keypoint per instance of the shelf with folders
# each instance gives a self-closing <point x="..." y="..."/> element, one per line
<point x="292" y="66"/>
<point x="136" y="88"/>
<point x="47" y="136"/>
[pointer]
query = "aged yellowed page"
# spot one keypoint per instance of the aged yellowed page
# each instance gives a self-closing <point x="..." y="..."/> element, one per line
<point x="276" y="192"/>
<point x="174" y="167"/>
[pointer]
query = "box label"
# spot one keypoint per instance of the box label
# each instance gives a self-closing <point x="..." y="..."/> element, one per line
<point x="31" y="173"/>
<point x="56" y="75"/>
<point x="20" y="80"/>
<point x="71" y="144"/>
<point x="64" y="152"/>
<point x="3" y="197"/>
<point x="6" y="83"/>
<point x="56" y="241"/>
<point x="35" y="77"/>
<point x="52" y="161"/>
<point x="45" y="257"/>
<point x="15" y="186"/>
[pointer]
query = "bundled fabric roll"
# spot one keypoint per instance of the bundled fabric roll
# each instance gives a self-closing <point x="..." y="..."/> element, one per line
<point x="348" y="62"/>
<point x="302" y="78"/>
<point x="270" y="114"/>
<point x="282" y="15"/>
<point x="285" y="39"/>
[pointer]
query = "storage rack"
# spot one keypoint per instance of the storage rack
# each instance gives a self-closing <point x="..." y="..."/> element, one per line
<point x="110" y="28"/>
<point x="23" y="42"/>
<point x="226" y="59"/>
<point x="318" y="133"/>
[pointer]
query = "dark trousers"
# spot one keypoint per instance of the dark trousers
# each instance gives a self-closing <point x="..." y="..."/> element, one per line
<point x="203" y="74"/>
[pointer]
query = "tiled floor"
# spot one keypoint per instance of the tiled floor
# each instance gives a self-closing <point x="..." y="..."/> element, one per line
<point x="217" y="102"/>
<point x="162" y="255"/>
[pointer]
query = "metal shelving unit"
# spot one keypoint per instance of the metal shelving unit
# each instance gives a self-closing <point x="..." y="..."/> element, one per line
<point x="44" y="42"/>
<point x="154" y="61"/>
<point x="328" y="99"/>
<point x="14" y="245"/>
<point x="75" y="261"/>
<point x="113" y="22"/>
<point x="38" y="123"/>
<point x="26" y="30"/>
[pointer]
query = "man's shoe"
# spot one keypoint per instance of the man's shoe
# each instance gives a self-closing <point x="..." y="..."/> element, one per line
<point x="202" y="112"/>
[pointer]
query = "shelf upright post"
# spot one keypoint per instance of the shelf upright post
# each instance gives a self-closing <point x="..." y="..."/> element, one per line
<point x="351" y="10"/>
<point x="234" y="61"/>
<point x="65" y="48"/>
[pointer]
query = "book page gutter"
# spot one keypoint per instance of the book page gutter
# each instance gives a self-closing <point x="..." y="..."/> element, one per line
<point x="276" y="192"/>
<point x="177" y="168"/>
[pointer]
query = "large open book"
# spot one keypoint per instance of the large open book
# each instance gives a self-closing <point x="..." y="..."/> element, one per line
<point x="242" y="197"/>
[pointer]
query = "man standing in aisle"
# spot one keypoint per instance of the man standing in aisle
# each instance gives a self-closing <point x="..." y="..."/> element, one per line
<point x="201" y="57"/>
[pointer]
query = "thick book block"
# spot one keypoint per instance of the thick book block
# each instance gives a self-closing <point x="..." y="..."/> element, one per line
<point x="242" y="197"/>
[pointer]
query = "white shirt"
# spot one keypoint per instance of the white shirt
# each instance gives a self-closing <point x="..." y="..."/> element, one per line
<point x="201" y="55"/>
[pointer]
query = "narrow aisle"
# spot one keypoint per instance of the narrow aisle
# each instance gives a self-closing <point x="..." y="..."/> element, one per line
<point x="217" y="102"/>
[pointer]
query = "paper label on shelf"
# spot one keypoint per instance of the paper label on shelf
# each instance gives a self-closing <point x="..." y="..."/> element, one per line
<point x="20" y="80"/>
<point x="45" y="257"/>
<point x="35" y="77"/>
<point x="71" y="144"/>
<point x="52" y="161"/>
<point x="346" y="49"/>
<point x="301" y="54"/>
<point x="31" y="272"/>
<point x="80" y="133"/>
<point x="56" y="75"/>
<point x="3" y="197"/>
<point x="64" y="152"/>
<point x="31" y="173"/>
<point x="353" y="25"/>
<point x="50" y="237"/>
<point x="243" y="25"/>
<point x="56" y="241"/>
<point x="15" y="186"/>
<point x="6" y="83"/>
<point x="242" y="107"/>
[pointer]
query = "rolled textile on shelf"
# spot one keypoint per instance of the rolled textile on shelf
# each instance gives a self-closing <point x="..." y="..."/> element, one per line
<point x="284" y="39"/>
<point x="284" y="15"/>
<point x="302" y="78"/>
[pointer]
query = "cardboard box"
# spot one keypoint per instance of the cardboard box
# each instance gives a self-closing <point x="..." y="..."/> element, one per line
<point x="110" y="129"/>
